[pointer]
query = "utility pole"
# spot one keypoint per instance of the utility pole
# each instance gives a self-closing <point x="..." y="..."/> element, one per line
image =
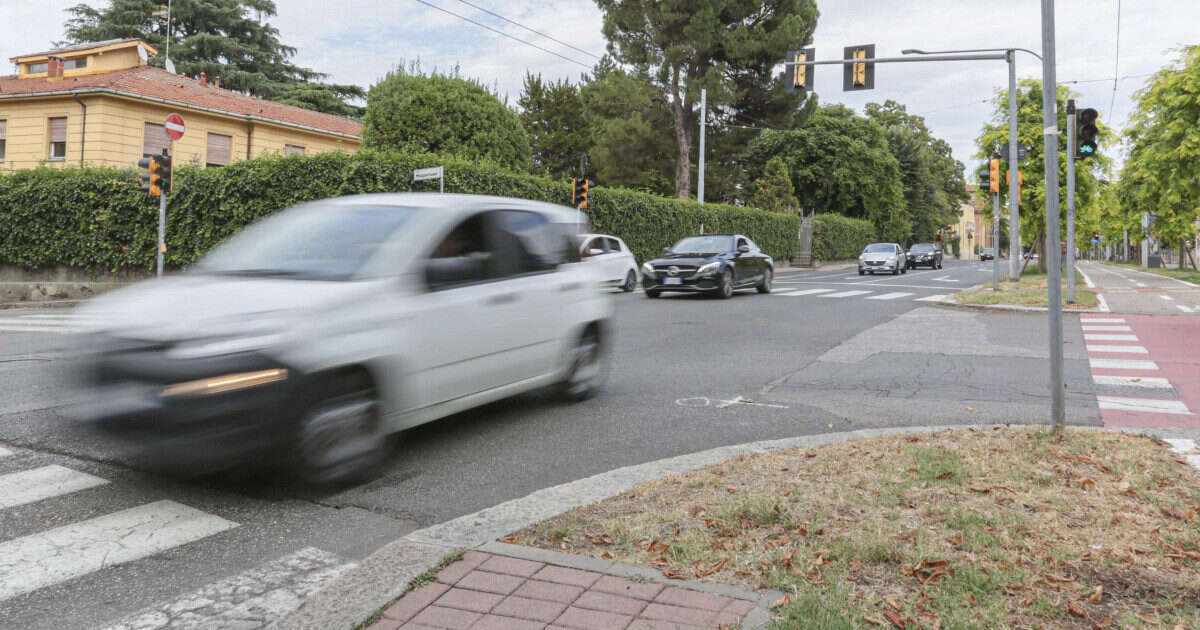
<point x="996" y="241"/>
<point x="1070" y="201"/>
<point x="1058" y="410"/>
<point x="1125" y="245"/>
<point x="1014" y="185"/>
<point x="703" y="124"/>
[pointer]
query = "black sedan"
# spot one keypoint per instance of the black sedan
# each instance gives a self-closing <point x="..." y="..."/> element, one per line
<point x="717" y="264"/>
<point x="924" y="254"/>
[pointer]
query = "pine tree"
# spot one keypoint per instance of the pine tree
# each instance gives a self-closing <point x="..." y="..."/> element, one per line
<point x="774" y="190"/>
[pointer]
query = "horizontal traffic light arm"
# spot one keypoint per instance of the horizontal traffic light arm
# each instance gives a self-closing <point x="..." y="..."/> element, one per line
<point x="921" y="59"/>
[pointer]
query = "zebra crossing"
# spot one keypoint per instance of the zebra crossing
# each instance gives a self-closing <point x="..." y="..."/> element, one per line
<point x="42" y="322"/>
<point x="56" y="556"/>
<point x="859" y="293"/>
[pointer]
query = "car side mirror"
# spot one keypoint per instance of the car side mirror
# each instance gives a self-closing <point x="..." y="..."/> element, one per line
<point x="595" y="252"/>
<point x="743" y="249"/>
<point x="666" y="250"/>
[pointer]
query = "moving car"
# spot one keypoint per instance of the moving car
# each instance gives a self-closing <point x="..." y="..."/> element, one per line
<point x="610" y="253"/>
<point x="717" y="264"/>
<point x="987" y="253"/>
<point x="319" y="332"/>
<point x="882" y="257"/>
<point x="924" y="254"/>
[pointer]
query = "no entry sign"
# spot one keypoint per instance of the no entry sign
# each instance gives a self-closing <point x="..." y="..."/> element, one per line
<point x="174" y="126"/>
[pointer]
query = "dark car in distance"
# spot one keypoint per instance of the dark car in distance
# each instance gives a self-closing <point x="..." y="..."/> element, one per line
<point x="924" y="254"/>
<point x="987" y="253"/>
<point x="717" y="264"/>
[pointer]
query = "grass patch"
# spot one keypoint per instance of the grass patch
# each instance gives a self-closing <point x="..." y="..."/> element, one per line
<point x="1188" y="275"/>
<point x="1029" y="290"/>
<point x="1006" y="528"/>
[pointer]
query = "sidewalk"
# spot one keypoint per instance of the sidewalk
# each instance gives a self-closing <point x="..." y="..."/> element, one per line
<point x="1132" y="291"/>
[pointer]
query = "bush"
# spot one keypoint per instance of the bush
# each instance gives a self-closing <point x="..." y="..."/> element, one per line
<point x="836" y="237"/>
<point x="99" y="219"/>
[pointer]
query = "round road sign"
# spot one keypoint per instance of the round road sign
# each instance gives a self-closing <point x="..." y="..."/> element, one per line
<point x="174" y="126"/>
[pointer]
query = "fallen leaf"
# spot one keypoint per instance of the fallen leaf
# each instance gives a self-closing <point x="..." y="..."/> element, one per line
<point x="1074" y="609"/>
<point x="971" y="409"/>
<point x="981" y="490"/>
<point x="606" y="555"/>
<point x="702" y="571"/>
<point x="1096" y="595"/>
<point x="810" y="453"/>
<point x="697" y="510"/>
<point x="955" y="540"/>
<point x="781" y="602"/>
<point x="731" y="489"/>
<point x="893" y="603"/>
<point x="512" y="540"/>
<point x="873" y="621"/>
<point x="913" y="438"/>
<point x="945" y="475"/>
<point x="673" y="575"/>
<point x="1088" y="483"/>
<point x="1102" y="624"/>
<point x="894" y="618"/>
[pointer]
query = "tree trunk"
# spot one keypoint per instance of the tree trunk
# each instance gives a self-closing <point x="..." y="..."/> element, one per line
<point x="683" y="164"/>
<point x="1041" y="245"/>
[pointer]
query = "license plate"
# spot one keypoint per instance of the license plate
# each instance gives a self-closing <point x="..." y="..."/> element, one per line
<point x="672" y="280"/>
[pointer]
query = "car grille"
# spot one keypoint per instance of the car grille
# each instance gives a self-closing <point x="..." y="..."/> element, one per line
<point x="684" y="270"/>
<point x="874" y="263"/>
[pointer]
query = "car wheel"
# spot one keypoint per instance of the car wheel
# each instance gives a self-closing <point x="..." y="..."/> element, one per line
<point x="765" y="285"/>
<point x="630" y="282"/>
<point x="588" y="367"/>
<point x="339" y="439"/>
<point x="861" y="272"/>
<point x="896" y="271"/>
<point x="726" y="287"/>
<point x="652" y="294"/>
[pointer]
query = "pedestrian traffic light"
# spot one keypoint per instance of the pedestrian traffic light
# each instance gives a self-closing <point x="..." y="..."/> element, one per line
<point x="994" y="175"/>
<point x="1085" y="133"/>
<point x="858" y="76"/>
<point x="149" y="180"/>
<point x="579" y="195"/>
<point x="799" y="78"/>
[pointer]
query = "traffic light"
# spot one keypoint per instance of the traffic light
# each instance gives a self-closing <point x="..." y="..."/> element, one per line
<point x="149" y="180"/>
<point x="1020" y="180"/>
<point x="858" y="76"/>
<point x="799" y="78"/>
<point x="994" y="175"/>
<point x="579" y="195"/>
<point x="1085" y="133"/>
<point x="985" y="179"/>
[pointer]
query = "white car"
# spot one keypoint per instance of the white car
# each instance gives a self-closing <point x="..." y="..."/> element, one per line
<point x="613" y="258"/>
<point x="318" y="332"/>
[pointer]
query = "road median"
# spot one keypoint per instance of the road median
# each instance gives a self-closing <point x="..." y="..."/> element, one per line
<point x="1029" y="292"/>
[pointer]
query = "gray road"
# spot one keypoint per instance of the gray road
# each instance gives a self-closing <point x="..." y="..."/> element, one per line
<point x="828" y="351"/>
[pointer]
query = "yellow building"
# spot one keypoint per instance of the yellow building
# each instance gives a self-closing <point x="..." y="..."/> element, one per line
<point x="101" y="104"/>
<point x="974" y="224"/>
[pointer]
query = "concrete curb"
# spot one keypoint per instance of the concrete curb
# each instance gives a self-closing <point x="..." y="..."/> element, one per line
<point x="1014" y="308"/>
<point x="4" y="306"/>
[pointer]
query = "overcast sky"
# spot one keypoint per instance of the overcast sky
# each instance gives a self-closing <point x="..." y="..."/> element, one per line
<point x="356" y="41"/>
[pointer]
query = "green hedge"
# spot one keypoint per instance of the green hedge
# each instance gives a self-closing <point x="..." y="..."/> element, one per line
<point x="836" y="237"/>
<point x="99" y="219"/>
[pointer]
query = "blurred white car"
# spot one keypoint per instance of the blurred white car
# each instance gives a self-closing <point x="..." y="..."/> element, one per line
<point x="610" y="254"/>
<point x="318" y="332"/>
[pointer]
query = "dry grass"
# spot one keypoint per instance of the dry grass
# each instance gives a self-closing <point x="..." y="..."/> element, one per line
<point x="1030" y="290"/>
<point x="1001" y="528"/>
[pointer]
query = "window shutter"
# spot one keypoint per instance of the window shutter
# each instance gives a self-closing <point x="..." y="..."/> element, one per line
<point x="218" y="149"/>
<point x="3" y="129"/>
<point x="58" y="130"/>
<point x="155" y="140"/>
<point x="291" y="149"/>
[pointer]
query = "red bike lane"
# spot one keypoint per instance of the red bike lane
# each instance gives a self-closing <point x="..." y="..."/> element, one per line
<point x="1146" y="369"/>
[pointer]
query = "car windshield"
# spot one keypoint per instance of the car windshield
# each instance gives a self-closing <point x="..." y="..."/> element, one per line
<point x="922" y="248"/>
<point x="703" y="245"/>
<point x="879" y="248"/>
<point x="315" y="241"/>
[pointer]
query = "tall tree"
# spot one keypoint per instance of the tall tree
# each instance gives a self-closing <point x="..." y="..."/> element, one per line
<point x="726" y="46"/>
<point x="554" y="117"/>
<point x="627" y="116"/>
<point x="774" y="190"/>
<point x="226" y="38"/>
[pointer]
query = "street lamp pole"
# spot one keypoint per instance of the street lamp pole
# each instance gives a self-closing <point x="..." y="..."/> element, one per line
<point x="1058" y="411"/>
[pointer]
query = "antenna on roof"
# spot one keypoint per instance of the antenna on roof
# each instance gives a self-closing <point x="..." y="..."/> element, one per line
<point x="167" y="55"/>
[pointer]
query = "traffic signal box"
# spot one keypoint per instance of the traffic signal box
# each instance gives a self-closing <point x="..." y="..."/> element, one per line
<point x="1020" y="180"/>
<point x="1085" y="133"/>
<point x="800" y="78"/>
<point x="994" y="175"/>
<point x="579" y="194"/>
<point x="858" y="76"/>
<point x="156" y="179"/>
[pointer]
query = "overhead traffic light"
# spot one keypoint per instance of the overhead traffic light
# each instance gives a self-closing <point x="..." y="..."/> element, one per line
<point x="799" y="78"/>
<point x="858" y="76"/>
<point x="1085" y="133"/>
<point x="579" y="195"/>
<point x="994" y="175"/>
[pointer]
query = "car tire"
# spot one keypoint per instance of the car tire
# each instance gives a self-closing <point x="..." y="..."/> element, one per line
<point x="650" y="293"/>
<point x="630" y="282"/>
<point x="589" y="367"/>
<point x="339" y="438"/>
<point x="725" y="289"/>
<point x="765" y="285"/>
<point x="861" y="272"/>
<point x="896" y="271"/>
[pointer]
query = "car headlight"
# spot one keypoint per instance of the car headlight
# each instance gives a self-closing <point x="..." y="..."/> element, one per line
<point x="207" y="348"/>
<point x="647" y="270"/>
<point x="709" y="269"/>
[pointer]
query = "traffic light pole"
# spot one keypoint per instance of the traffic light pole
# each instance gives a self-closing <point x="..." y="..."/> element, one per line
<point x="1070" y="201"/>
<point x="996" y="241"/>
<point x="1015" y="251"/>
<point x="162" y="229"/>
<point x="1058" y="409"/>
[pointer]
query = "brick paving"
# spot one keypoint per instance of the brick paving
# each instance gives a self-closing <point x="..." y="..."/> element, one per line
<point x="492" y="592"/>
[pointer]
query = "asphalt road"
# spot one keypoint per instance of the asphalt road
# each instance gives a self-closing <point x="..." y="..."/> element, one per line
<point x="827" y="351"/>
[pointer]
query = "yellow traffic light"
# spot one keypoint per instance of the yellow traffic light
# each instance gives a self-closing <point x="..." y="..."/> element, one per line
<point x="800" y="73"/>
<point x="859" y="70"/>
<point x="994" y="174"/>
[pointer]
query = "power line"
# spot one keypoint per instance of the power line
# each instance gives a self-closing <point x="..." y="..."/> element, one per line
<point x="1113" y="79"/>
<point x="502" y="33"/>
<point x="559" y="41"/>
<point x="1116" y="60"/>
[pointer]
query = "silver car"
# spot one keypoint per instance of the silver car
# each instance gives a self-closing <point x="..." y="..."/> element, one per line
<point x="883" y="257"/>
<point x="322" y="330"/>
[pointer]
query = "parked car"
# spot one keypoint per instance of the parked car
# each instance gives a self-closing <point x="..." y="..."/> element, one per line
<point x="882" y="257"/>
<point x="717" y="264"/>
<point x="616" y="262"/>
<point x="924" y="254"/>
<point x="987" y="253"/>
<point x="317" y="333"/>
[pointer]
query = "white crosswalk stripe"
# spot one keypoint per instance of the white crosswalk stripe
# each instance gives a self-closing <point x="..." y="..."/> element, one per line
<point x="71" y="551"/>
<point x="1102" y="320"/>
<point x="1121" y="364"/>
<point x="1101" y="337"/>
<point x="43" y="323"/>
<point x="1145" y="382"/>
<point x="1106" y="328"/>
<point x="804" y="292"/>
<point x="889" y="296"/>
<point x="29" y="486"/>
<point x="1118" y="349"/>
<point x="844" y="294"/>
<point x="934" y="298"/>
<point x="1145" y="405"/>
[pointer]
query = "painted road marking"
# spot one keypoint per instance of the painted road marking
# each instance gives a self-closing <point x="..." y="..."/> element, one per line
<point x="1087" y="328"/>
<point x="1148" y="382"/>
<point x="1088" y="337"/>
<point x="1118" y="349"/>
<point x="63" y="553"/>
<point x="29" y="486"/>
<point x="1102" y="320"/>
<point x="1144" y="405"/>
<point x="1167" y="298"/>
<point x="944" y="279"/>
<point x="1086" y="279"/>
<point x="5" y="452"/>
<point x="844" y="294"/>
<point x="1185" y="309"/>
<point x="933" y="298"/>
<point x="889" y="296"/>
<point x="806" y="292"/>
<point x="1139" y="284"/>
<point x="1121" y="364"/>
<point x="704" y="401"/>
<point x="251" y="599"/>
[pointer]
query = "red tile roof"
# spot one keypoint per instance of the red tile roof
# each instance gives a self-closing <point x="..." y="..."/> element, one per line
<point x="156" y="83"/>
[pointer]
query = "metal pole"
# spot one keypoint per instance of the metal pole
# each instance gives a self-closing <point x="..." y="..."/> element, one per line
<point x="1058" y="411"/>
<point x="1070" y="201"/>
<point x="996" y="242"/>
<point x="442" y="182"/>
<point x="1014" y="176"/>
<point x="162" y="230"/>
<point x="1145" y="240"/>
<point x="1125" y="246"/>
<point x="703" y="124"/>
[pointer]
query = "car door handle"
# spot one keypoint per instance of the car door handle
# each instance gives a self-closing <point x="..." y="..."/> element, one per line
<point x="504" y="298"/>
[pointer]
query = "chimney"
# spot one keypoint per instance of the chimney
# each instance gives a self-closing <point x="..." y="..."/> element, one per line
<point x="217" y="83"/>
<point x="203" y="80"/>
<point x="54" y="68"/>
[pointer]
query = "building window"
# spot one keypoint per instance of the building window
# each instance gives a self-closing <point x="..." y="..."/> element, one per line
<point x="38" y="68"/>
<point x="155" y="140"/>
<point x="58" y="138"/>
<point x="75" y="64"/>
<point x="3" y="137"/>
<point x="291" y="149"/>
<point x="219" y="148"/>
